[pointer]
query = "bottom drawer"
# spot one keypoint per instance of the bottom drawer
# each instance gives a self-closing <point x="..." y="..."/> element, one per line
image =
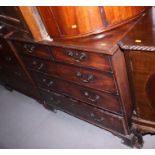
<point x="84" y="111"/>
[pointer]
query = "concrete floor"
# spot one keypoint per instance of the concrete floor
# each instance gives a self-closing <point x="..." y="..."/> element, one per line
<point x="26" y="124"/>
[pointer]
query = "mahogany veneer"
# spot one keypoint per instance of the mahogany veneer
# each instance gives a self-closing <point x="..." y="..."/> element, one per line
<point x="139" y="48"/>
<point x="85" y="77"/>
<point x="76" y="21"/>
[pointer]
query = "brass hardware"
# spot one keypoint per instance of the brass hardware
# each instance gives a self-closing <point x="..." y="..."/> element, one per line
<point x="92" y="99"/>
<point x="85" y="77"/>
<point x="29" y="48"/>
<point x="77" y="56"/>
<point x="54" y="101"/>
<point x="97" y="119"/>
<point x="47" y="83"/>
<point x="40" y="66"/>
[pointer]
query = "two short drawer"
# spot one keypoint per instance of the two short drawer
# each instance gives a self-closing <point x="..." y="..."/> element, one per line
<point x="80" y="58"/>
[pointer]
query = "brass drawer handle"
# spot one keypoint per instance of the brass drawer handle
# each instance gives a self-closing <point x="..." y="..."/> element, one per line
<point x="101" y="119"/>
<point x="29" y="48"/>
<point x="39" y="66"/>
<point x="77" y="56"/>
<point x="48" y="84"/>
<point x="90" y="98"/>
<point x="85" y="77"/>
<point x="55" y="101"/>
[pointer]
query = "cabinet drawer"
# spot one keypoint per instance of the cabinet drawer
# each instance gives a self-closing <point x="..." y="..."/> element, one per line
<point x="95" y="98"/>
<point x="32" y="49"/>
<point x="81" y="58"/>
<point x="87" y="77"/>
<point x="91" y="114"/>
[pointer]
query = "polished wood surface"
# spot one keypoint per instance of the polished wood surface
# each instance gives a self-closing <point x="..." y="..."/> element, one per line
<point x="78" y="21"/>
<point x="139" y="47"/>
<point x="103" y="43"/>
<point x="92" y="115"/>
<point x="85" y="77"/>
<point x="93" y="79"/>
<point x="142" y="35"/>
<point x="117" y="14"/>
<point x="93" y="97"/>
<point x="12" y="70"/>
<point x="142" y="77"/>
<point x="80" y="58"/>
<point x="90" y="74"/>
<point x="30" y="49"/>
<point x="34" y="22"/>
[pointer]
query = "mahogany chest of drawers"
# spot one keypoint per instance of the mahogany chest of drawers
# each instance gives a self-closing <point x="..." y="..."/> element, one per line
<point x="84" y="77"/>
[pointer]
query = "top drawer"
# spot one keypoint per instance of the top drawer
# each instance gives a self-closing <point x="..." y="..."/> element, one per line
<point x="40" y="51"/>
<point x="81" y="58"/>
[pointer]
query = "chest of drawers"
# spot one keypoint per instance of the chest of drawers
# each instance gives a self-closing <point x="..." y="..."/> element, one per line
<point x="13" y="74"/>
<point x="84" y="77"/>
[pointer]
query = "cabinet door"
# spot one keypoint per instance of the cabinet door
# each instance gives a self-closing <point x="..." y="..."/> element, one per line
<point x="142" y="67"/>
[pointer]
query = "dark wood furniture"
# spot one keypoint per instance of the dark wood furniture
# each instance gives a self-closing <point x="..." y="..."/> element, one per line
<point x="12" y="17"/>
<point x="13" y="73"/>
<point x="139" y="49"/>
<point x="77" y="21"/>
<point x="85" y="77"/>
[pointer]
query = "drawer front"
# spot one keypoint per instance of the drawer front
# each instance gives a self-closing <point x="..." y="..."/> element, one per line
<point x="82" y="58"/>
<point x="93" y="79"/>
<point x="91" y="114"/>
<point x="95" y="98"/>
<point x="33" y="49"/>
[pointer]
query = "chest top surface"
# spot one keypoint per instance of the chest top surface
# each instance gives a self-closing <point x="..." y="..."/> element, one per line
<point x="105" y="43"/>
